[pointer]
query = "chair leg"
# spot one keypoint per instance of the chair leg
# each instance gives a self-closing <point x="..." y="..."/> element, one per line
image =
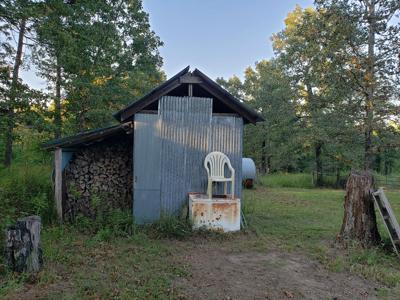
<point x="233" y="189"/>
<point x="225" y="188"/>
<point x="209" y="189"/>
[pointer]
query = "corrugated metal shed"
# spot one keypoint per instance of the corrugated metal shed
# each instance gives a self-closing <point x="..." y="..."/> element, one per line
<point x="187" y="131"/>
<point x="171" y="142"/>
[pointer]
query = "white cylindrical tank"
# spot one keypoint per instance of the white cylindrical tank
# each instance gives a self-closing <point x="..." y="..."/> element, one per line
<point x="248" y="172"/>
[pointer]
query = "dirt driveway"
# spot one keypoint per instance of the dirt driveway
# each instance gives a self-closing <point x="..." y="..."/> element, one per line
<point x="217" y="271"/>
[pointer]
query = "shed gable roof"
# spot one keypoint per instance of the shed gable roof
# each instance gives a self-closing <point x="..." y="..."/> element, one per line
<point x="196" y="78"/>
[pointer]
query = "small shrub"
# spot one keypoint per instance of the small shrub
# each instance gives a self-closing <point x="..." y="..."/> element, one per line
<point x="104" y="235"/>
<point x="121" y="222"/>
<point x="170" y="227"/>
<point x="117" y="222"/>
<point x="84" y="224"/>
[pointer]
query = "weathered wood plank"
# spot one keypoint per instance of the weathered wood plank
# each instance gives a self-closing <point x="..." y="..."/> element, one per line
<point x="389" y="219"/>
<point x="58" y="182"/>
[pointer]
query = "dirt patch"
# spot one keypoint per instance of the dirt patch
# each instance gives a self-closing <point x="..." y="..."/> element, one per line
<point x="217" y="273"/>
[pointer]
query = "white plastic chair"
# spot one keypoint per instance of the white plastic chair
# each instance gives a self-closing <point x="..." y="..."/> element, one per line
<point x="215" y="165"/>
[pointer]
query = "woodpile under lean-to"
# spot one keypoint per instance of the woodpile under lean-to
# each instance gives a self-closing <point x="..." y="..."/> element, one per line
<point x="101" y="172"/>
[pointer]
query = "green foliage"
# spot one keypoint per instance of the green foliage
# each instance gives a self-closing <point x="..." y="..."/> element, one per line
<point x="96" y="57"/>
<point x="26" y="190"/>
<point x="111" y="223"/>
<point x="170" y="227"/>
<point x="287" y="180"/>
<point x="316" y="92"/>
<point x="26" y="187"/>
<point x="106" y="222"/>
<point x="124" y="66"/>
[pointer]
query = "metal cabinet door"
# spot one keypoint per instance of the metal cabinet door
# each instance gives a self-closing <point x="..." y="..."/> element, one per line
<point x="147" y="180"/>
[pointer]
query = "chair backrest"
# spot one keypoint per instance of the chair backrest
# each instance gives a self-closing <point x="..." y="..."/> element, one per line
<point x="215" y="164"/>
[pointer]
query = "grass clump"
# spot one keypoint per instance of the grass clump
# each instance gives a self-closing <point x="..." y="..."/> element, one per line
<point x="106" y="225"/>
<point x="170" y="226"/>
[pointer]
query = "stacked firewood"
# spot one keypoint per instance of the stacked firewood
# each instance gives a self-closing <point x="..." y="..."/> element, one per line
<point x="99" y="173"/>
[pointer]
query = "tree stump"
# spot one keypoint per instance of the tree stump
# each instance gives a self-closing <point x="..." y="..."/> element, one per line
<point x="359" y="221"/>
<point x="22" y="251"/>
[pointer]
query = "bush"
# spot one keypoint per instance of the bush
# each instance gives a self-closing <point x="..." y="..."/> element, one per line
<point x="25" y="191"/>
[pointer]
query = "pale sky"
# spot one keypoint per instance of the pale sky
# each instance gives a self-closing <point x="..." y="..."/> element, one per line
<point x="220" y="37"/>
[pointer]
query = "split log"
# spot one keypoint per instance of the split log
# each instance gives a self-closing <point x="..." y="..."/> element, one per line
<point x="359" y="221"/>
<point x="22" y="251"/>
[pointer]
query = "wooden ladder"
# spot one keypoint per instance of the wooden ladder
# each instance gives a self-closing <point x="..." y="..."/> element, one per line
<point x="389" y="219"/>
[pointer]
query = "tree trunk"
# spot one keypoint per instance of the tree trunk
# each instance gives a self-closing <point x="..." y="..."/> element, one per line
<point x="337" y="184"/>
<point x="387" y="164"/>
<point x="10" y="124"/>
<point x="263" y="158"/>
<point x="378" y="160"/>
<point x="57" y="102"/>
<point x="22" y="251"/>
<point x="359" y="222"/>
<point x="269" y="164"/>
<point x="318" y="164"/>
<point x="370" y="88"/>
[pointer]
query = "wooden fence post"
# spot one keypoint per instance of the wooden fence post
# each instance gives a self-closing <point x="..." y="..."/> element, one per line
<point x="58" y="182"/>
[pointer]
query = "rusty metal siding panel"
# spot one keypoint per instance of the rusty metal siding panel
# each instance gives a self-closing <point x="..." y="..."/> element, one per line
<point x="227" y="137"/>
<point x="185" y="132"/>
<point x="146" y="167"/>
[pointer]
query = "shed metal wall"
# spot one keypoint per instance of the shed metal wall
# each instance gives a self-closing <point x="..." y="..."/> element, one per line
<point x="185" y="132"/>
<point x="188" y="131"/>
<point x="146" y="168"/>
<point x="226" y="137"/>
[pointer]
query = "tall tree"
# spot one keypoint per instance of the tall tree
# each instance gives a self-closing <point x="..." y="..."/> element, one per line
<point x="373" y="71"/>
<point x="272" y="143"/>
<point x="14" y="15"/>
<point x="304" y="51"/>
<point x="115" y="60"/>
<point x="52" y="49"/>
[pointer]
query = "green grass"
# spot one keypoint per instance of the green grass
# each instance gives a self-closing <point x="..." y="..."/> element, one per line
<point x="78" y="266"/>
<point x="106" y="265"/>
<point x="309" y="219"/>
<point x="299" y="180"/>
